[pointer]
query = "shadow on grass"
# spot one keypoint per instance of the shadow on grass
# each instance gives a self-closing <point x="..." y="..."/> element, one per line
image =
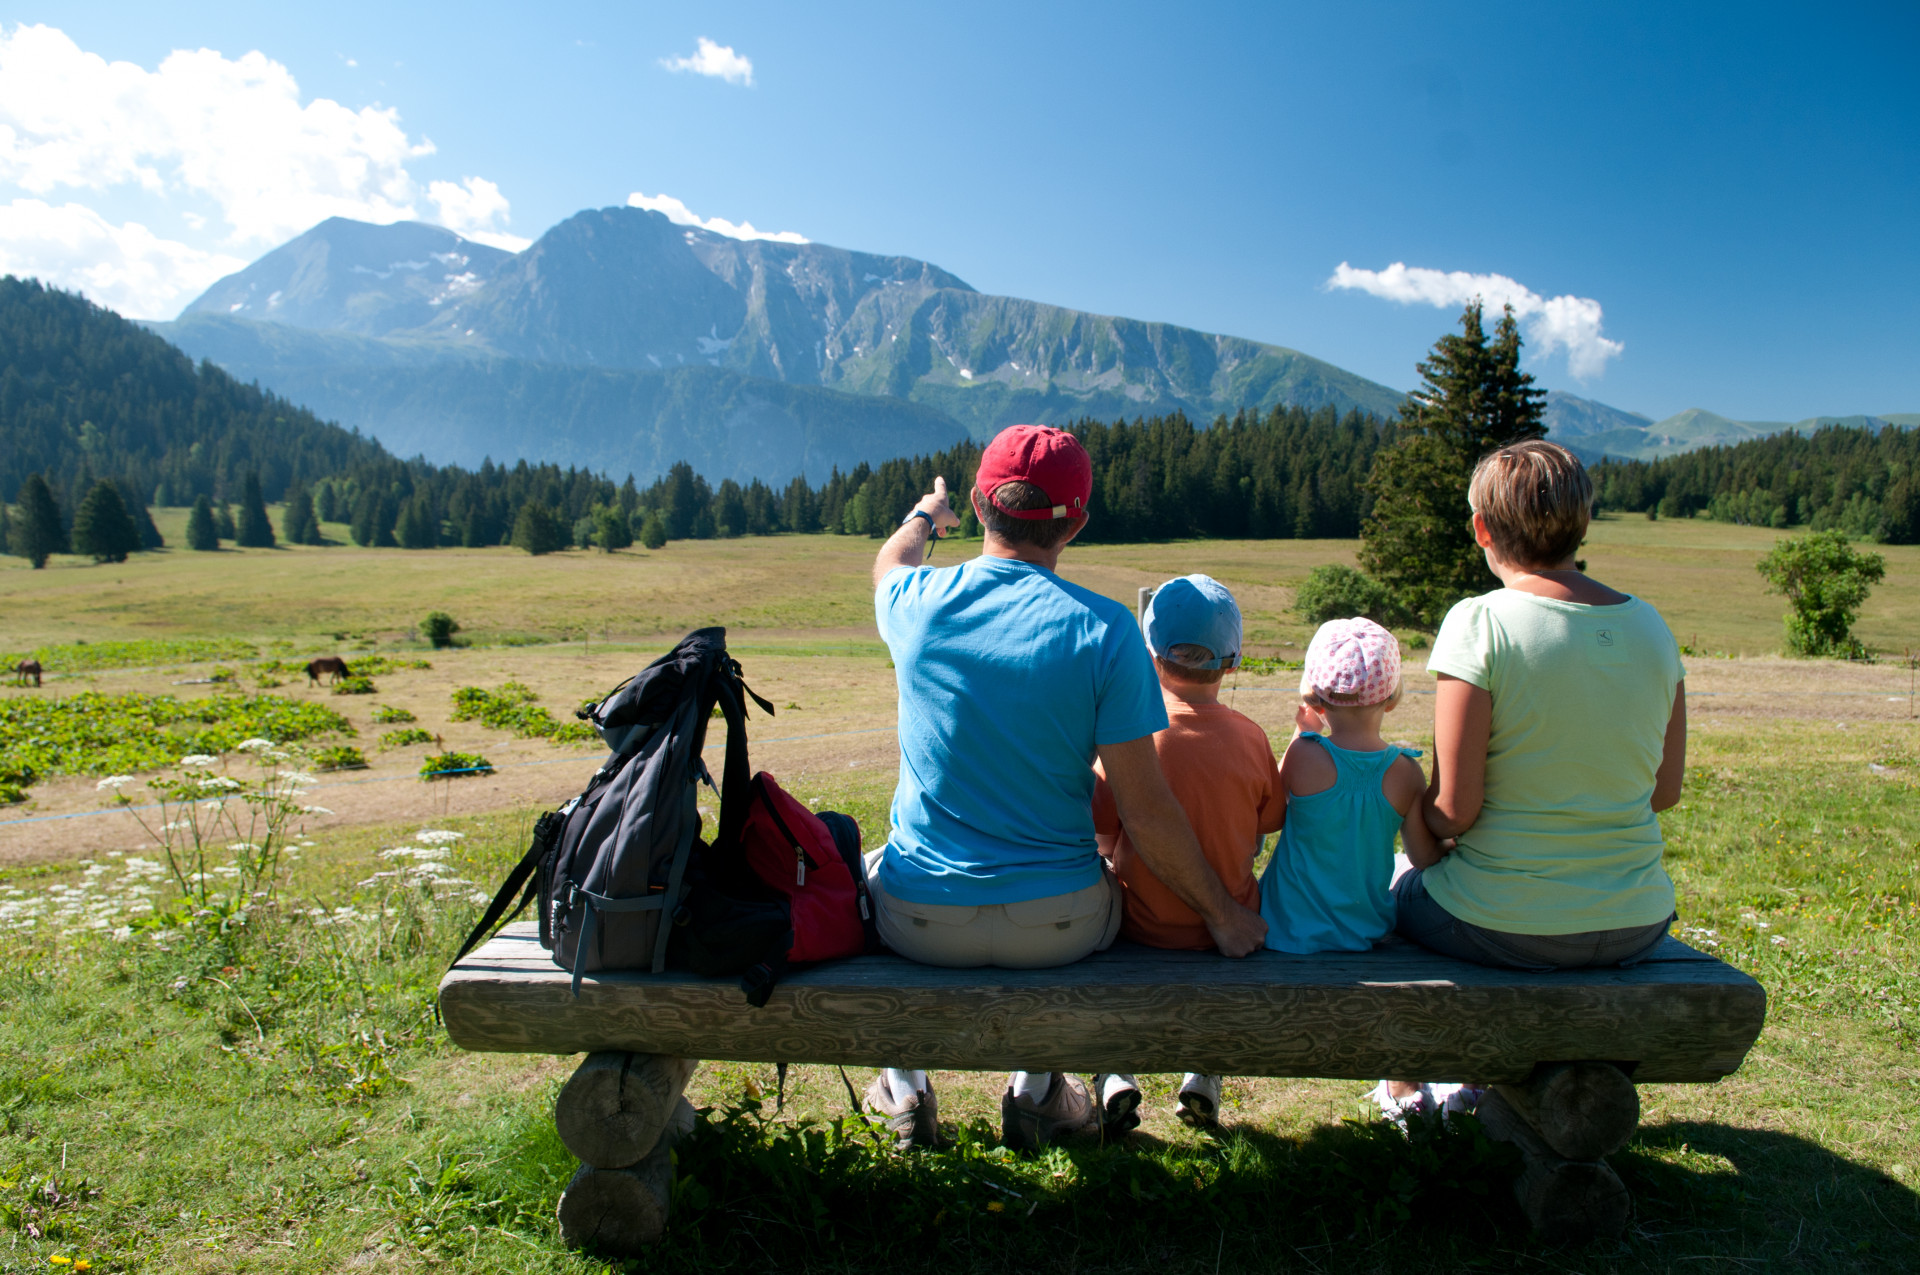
<point x="1754" y="1195"/>
<point x="754" y="1193"/>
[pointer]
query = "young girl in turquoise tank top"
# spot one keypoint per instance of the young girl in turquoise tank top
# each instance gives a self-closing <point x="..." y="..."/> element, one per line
<point x="1329" y="886"/>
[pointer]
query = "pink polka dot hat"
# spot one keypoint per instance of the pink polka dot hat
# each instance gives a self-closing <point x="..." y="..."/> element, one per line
<point x="1352" y="662"/>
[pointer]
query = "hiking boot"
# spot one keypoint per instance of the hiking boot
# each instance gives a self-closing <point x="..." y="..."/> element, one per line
<point x="1118" y="1098"/>
<point x="1067" y="1108"/>
<point x="1199" y="1101"/>
<point x="913" y="1118"/>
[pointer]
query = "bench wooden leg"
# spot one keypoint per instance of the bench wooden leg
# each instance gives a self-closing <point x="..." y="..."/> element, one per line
<point x="621" y="1114"/>
<point x="1583" y="1110"/>
<point x="1567" y="1201"/>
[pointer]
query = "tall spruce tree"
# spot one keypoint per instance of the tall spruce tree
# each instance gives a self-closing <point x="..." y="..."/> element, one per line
<point x="297" y="523"/>
<point x="203" y="533"/>
<point x="1473" y="399"/>
<point x="150" y="537"/>
<point x="37" y="534"/>
<point x="254" y="529"/>
<point x="102" y="527"/>
<point x="223" y="522"/>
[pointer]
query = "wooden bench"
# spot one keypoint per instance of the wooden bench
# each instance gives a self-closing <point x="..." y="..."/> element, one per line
<point x="1562" y="1051"/>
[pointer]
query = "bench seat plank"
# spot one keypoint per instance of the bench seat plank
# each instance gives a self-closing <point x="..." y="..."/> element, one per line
<point x="1398" y="1010"/>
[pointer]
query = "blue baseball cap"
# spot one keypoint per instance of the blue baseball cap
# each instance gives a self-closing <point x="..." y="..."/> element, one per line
<point x="1195" y="610"/>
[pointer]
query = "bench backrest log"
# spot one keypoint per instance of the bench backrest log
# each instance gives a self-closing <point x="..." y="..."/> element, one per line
<point x="1398" y="1010"/>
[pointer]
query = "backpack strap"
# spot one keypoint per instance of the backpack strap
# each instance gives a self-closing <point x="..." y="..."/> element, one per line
<point x="597" y="903"/>
<point x="524" y="873"/>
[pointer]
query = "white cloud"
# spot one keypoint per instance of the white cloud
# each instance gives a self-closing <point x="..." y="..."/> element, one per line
<point x="474" y="207"/>
<point x="126" y="268"/>
<point x="225" y="147"/>
<point x="680" y="215"/>
<point x="1553" y="323"/>
<point x="717" y="60"/>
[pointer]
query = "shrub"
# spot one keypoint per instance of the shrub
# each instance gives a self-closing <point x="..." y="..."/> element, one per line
<point x="537" y="530"/>
<point x="405" y="737"/>
<point x="202" y="535"/>
<point x="511" y="708"/>
<point x="354" y="686"/>
<point x="15" y="779"/>
<point x="1825" y="581"/>
<point x="453" y="765"/>
<point x="339" y="757"/>
<point x="95" y="734"/>
<point x="380" y="665"/>
<point x="1338" y="593"/>
<point x="653" y="532"/>
<point x="439" y="628"/>
<point x="387" y="715"/>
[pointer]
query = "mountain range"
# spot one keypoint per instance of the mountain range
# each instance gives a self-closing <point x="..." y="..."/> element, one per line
<point x="623" y="341"/>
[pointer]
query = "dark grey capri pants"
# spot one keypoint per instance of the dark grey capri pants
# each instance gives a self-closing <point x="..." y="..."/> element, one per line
<point x="1422" y="919"/>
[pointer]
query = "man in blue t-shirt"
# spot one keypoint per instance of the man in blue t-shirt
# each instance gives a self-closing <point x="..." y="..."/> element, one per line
<point x="1011" y="682"/>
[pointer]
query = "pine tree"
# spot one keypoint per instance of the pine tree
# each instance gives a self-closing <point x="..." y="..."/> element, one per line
<point x="1474" y="399"/>
<point x="418" y="528"/>
<point x="202" y="534"/>
<point x="537" y="530"/>
<point x="102" y="528"/>
<point x="326" y="504"/>
<point x="150" y="537"/>
<point x="6" y="529"/>
<point x="297" y="523"/>
<point x="611" y="530"/>
<point x="223" y="522"/>
<point x="38" y="533"/>
<point x="255" y="530"/>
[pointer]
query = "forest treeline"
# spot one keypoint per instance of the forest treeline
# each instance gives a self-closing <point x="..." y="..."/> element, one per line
<point x="1288" y="473"/>
<point x="1854" y="480"/>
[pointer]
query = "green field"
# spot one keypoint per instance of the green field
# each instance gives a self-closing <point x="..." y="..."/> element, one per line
<point x="207" y="1095"/>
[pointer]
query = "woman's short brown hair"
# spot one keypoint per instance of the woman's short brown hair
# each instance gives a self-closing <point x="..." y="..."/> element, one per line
<point x="1536" y="500"/>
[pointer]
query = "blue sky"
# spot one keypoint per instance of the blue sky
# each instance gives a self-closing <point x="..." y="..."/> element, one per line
<point x="1730" y="195"/>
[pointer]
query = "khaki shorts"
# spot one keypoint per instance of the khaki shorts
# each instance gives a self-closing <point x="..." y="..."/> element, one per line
<point x="1034" y="934"/>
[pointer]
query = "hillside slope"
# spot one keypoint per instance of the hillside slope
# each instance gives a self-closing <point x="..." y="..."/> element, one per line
<point x="86" y="392"/>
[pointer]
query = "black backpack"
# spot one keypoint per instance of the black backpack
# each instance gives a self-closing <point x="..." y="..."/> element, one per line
<point x="622" y="877"/>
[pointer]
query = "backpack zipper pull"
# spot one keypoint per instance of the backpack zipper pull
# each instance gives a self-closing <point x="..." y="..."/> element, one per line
<point x="799" y="866"/>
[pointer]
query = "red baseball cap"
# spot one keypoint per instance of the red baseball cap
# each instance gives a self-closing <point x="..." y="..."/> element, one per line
<point x="1051" y="459"/>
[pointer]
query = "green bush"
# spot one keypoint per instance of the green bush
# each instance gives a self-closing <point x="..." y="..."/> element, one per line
<point x="339" y="757"/>
<point x="355" y="686"/>
<point x="381" y="665"/>
<point x="84" y="657"/>
<point x="454" y="765"/>
<point x="14" y="782"/>
<point x="1339" y="593"/>
<point x="406" y="736"/>
<point x="1826" y="581"/>
<point x="439" y="628"/>
<point x="387" y="715"/>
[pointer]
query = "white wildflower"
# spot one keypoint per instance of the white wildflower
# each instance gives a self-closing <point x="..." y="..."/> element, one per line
<point x="197" y="759"/>
<point x="180" y="984"/>
<point x="298" y="777"/>
<point x="122" y="934"/>
<point x="254" y="745"/>
<point x="1778" y="940"/>
<point x="215" y="804"/>
<point x="116" y="782"/>
<point x="165" y="936"/>
<point x="239" y="846"/>
<point x="428" y="870"/>
<point x="313" y="810"/>
<point x="219" y="781"/>
<point x="227" y="870"/>
<point x="478" y="896"/>
<point x="438" y="836"/>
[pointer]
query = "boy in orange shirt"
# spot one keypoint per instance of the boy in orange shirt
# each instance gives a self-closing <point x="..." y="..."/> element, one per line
<point x="1221" y="768"/>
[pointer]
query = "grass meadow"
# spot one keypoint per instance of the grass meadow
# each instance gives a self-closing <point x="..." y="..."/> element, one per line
<point x="259" y="1084"/>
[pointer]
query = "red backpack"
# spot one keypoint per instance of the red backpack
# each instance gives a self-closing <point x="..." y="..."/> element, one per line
<point x="814" y="861"/>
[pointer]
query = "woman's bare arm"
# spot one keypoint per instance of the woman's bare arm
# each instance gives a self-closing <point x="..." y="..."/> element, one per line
<point x="1673" y="756"/>
<point x="1462" y="723"/>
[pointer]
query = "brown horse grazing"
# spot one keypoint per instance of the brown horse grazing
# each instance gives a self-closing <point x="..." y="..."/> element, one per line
<point x="332" y="665"/>
<point x="26" y="669"/>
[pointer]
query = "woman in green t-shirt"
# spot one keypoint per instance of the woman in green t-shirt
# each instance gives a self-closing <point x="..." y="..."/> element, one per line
<point x="1560" y="729"/>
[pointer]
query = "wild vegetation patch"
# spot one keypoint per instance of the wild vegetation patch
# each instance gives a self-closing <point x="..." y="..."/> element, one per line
<point x="91" y="733"/>
<point x="85" y="657"/>
<point x="511" y="708"/>
<point x="405" y="737"/>
<point x="454" y="765"/>
<point x="388" y="715"/>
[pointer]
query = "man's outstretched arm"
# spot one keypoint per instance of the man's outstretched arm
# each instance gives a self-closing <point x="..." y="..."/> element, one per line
<point x="907" y="547"/>
<point x="1159" y="830"/>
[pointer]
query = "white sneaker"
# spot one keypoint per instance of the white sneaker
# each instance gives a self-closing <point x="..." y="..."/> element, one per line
<point x="1199" y="1100"/>
<point x="1418" y="1103"/>
<point x="1118" y="1098"/>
